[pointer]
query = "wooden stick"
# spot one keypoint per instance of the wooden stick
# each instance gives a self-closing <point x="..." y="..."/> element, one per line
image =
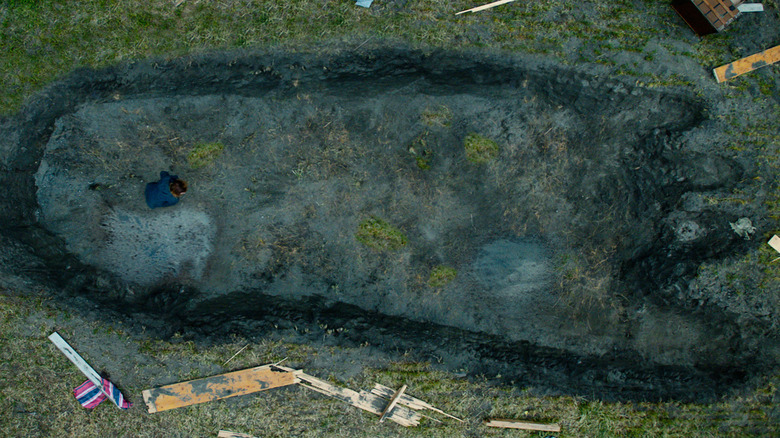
<point x="747" y="64"/>
<point x="487" y="6"/>
<point x="514" y="424"/>
<point x="239" y="351"/>
<point x="391" y="405"/>
<point x="80" y="363"/>
<point x="409" y="401"/>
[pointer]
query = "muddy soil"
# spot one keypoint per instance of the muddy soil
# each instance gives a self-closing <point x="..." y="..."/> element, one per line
<point x="575" y="250"/>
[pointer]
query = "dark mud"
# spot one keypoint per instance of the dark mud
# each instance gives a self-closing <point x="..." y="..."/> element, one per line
<point x="575" y="250"/>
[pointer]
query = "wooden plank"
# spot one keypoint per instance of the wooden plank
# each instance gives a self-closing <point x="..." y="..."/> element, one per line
<point x="774" y="242"/>
<point x="750" y="7"/>
<point x="228" y="434"/>
<point x="487" y="6"/>
<point x="747" y="64"/>
<point x="217" y="387"/>
<point x="391" y="405"/>
<point x="408" y="401"/>
<point x="77" y="360"/>
<point x="514" y="424"/>
<point x="81" y="364"/>
<point x="363" y="400"/>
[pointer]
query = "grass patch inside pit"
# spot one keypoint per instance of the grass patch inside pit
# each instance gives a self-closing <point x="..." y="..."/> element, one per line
<point x="421" y="151"/>
<point x="378" y="234"/>
<point x="441" y="276"/>
<point x="204" y="154"/>
<point x="480" y="149"/>
<point x="437" y="116"/>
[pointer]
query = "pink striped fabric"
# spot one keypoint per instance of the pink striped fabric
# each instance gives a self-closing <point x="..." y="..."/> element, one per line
<point x="90" y="395"/>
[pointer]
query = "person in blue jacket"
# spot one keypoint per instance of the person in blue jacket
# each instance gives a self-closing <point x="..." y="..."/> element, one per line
<point x="166" y="192"/>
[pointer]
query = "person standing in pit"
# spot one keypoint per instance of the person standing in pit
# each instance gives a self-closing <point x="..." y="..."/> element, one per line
<point x="166" y="192"/>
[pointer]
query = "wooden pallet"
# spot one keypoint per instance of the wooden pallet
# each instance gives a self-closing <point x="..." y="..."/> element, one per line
<point x="707" y="16"/>
<point x="718" y="12"/>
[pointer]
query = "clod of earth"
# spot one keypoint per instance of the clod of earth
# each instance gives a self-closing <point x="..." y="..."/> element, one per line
<point x="573" y="239"/>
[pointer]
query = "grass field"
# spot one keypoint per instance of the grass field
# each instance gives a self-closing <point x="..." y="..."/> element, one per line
<point x="29" y="411"/>
<point x="45" y="40"/>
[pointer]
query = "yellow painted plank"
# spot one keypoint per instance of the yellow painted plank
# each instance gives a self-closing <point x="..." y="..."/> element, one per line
<point x="747" y="64"/>
<point x="217" y="387"/>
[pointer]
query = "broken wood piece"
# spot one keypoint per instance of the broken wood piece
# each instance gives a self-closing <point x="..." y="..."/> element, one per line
<point x="750" y="7"/>
<point x="514" y="424"/>
<point x="408" y="401"/>
<point x="774" y="242"/>
<point x="487" y="6"/>
<point x="228" y="434"/>
<point x="363" y="400"/>
<point x="747" y="64"/>
<point x="391" y="405"/>
<point x="216" y="387"/>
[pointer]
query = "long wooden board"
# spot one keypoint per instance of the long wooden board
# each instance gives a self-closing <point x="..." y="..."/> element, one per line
<point x="229" y="434"/>
<point x="747" y="64"/>
<point x="217" y="387"/>
<point x="514" y="424"/>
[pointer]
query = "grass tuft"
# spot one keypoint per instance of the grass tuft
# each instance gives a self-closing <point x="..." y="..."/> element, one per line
<point x="377" y="234"/>
<point x="441" y="276"/>
<point x="438" y="116"/>
<point x="480" y="149"/>
<point x="421" y="151"/>
<point x="204" y="154"/>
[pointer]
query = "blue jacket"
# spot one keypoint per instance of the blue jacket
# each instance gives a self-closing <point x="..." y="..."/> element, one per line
<point x="158" y="194"/>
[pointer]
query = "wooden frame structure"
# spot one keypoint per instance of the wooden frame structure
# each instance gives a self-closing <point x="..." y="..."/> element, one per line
<point x="707" y="16"/>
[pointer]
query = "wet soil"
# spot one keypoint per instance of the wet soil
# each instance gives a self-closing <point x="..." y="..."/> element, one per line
<point x="577" y="250"/>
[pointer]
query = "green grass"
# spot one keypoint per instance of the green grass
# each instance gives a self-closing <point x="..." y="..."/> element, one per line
<point x="441" y="276"/>
<point x="142" y="362"/>
<point x="437" y="116"/>
<point x="203" y="154"/>
<point x="45" y="40"/>
<point x="380" y="235"/>
<point x="421" y="151"/>
<point x="480" y="149"/>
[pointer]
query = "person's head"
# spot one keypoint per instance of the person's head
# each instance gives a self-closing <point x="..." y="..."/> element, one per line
<point x="178" y="187"/>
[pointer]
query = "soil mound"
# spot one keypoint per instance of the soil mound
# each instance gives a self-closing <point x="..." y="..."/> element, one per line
<point x="499" y="215"/>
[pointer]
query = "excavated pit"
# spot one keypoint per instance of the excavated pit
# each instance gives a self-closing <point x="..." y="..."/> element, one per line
<point x="570" y="247"/>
